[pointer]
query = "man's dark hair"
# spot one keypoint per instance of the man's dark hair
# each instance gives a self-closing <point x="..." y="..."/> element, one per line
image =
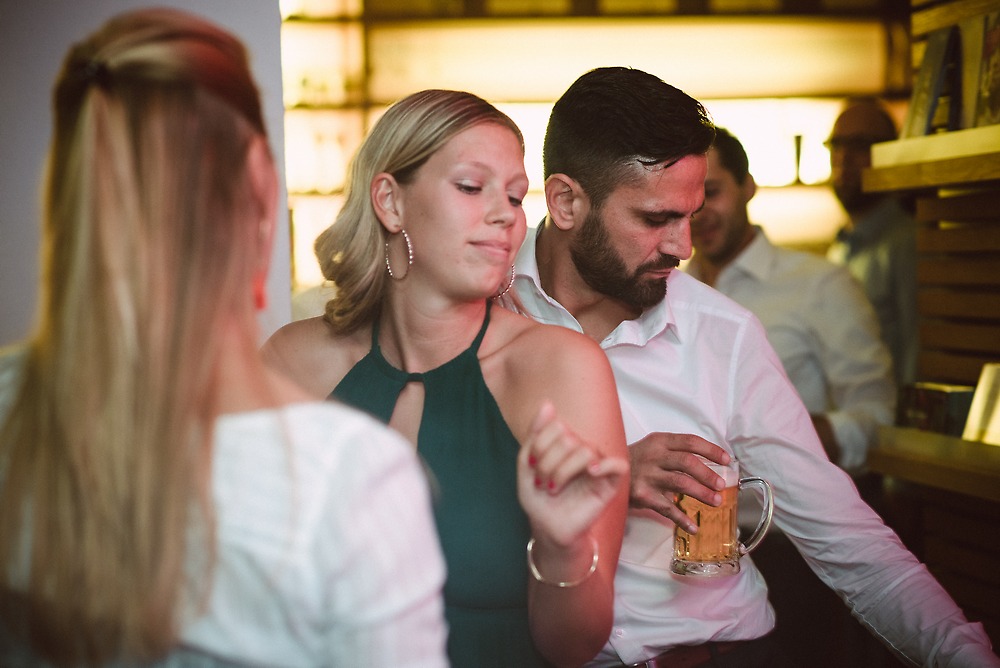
<point x="612" y="117"/>
<point x="731" y="154"/>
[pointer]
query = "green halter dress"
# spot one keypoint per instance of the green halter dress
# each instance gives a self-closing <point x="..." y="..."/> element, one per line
<point x="472" y="454"/>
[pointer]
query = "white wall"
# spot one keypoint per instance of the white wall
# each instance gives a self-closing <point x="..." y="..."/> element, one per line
<point x="34" y="37"/>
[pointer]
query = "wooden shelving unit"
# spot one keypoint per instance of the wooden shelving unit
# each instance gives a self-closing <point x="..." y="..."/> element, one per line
<point x="958" y="255"/>
<point x="943" y="492"/>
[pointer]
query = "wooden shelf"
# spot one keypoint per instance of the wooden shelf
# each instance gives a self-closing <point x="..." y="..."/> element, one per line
<point x="923" y="21"/>
<point x="974" y="170"/>
<point x="939" y="461"/>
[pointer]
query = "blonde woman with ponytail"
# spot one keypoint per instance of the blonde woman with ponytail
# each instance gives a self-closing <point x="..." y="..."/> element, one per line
<point x="163" y="495"/>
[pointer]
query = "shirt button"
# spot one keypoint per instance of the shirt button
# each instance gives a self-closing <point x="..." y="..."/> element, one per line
<point x="619" y="633"/>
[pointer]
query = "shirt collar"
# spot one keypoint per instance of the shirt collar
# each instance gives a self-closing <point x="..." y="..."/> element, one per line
<point x="543" y="308"/>
<point x="757" y="259"/>
<point x="872" y="224"/>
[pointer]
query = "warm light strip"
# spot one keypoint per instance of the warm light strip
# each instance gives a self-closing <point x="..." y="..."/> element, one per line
<point x="707" y="57"/>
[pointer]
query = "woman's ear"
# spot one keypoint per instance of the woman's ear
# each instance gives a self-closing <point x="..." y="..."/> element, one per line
<point x="565" y="200"/>
<point x="387" y="201"/>
<point x="264" y="181"/>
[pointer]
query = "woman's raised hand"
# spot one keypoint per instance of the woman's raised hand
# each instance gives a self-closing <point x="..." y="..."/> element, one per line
<point x="563" y="483"/>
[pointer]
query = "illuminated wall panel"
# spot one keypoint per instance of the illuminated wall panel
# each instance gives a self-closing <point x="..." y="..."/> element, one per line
<point x="797" y="216"/>
<point x="706" y="57"/>
<point x="310" y="216"/>
<point x="638" y="6"/>
<point x="531" y="118"/>
<point x="529" y="7"/>
<point x="318" y="144"/>
<point x="776" y="83"/>
<point x="322" y="63"/>
<point x="320" y="8"/>
<point x="767" y="129"/>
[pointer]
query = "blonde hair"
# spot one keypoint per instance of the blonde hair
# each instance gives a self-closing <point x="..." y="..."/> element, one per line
<point x="151" y="231"/>
<point x="351" y="251"/>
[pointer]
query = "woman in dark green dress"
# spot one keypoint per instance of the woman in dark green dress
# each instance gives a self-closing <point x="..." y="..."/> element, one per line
<point x="519" y="422"/>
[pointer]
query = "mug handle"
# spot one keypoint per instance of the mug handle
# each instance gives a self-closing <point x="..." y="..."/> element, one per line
<point x="765" y="519"/>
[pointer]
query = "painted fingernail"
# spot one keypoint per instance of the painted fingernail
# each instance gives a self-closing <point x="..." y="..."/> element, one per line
<point x="552" y="484"/>
<point x="531" y="460"/>
<point x="538" y="481"/>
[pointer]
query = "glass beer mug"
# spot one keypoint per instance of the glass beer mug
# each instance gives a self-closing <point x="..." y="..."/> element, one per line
<point x="716" y="549"/>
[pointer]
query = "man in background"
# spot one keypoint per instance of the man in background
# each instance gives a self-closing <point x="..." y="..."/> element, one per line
<point x="877" y="243"/>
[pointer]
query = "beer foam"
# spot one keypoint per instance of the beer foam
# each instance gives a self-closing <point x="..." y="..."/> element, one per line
<point x="731" y="473"/>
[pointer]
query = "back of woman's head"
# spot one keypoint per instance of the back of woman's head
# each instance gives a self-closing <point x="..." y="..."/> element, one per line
<point x="151" y="238"/>
<point x="147" y="187"/>
<point x="351" y="251"/>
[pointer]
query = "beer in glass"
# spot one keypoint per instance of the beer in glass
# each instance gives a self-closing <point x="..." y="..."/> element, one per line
<point x="715" y="549"/>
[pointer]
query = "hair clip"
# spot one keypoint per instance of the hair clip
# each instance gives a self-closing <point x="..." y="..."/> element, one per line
<point x="96" y="71"/>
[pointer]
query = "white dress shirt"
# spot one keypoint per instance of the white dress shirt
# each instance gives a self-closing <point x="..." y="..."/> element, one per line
<point x="326" y="550"/>
<point x="826" y="334"/>
<point x="699" y="363"/>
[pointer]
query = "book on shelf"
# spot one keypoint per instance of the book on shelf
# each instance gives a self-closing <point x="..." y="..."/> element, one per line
<point x="988" y="88"/>
<point x="983" y="423"/>
<point x="937" y="407"/>
<point x="936" y="100"/>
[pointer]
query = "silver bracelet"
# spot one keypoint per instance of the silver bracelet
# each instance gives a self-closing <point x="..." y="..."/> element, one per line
<point x="538" y="576"/>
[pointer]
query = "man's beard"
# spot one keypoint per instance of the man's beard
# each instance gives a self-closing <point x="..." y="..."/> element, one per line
<point x="603" y="269"/>
<point x="853" y="198"/>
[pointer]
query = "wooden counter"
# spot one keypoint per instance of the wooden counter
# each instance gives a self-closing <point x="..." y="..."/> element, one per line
<point x="942" y="495"/>
<point x="938" y="461"/>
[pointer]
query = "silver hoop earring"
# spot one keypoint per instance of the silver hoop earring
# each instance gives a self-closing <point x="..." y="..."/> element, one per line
<point x="409" y="257"/>
<point x="509" y="284"/>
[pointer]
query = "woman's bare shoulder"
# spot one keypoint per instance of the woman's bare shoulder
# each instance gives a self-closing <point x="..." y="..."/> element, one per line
<point x="534" y="362"/>
<point x="311" y="354"/>
<point x="549" y="350"/>
<point x="529" y="337"/>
